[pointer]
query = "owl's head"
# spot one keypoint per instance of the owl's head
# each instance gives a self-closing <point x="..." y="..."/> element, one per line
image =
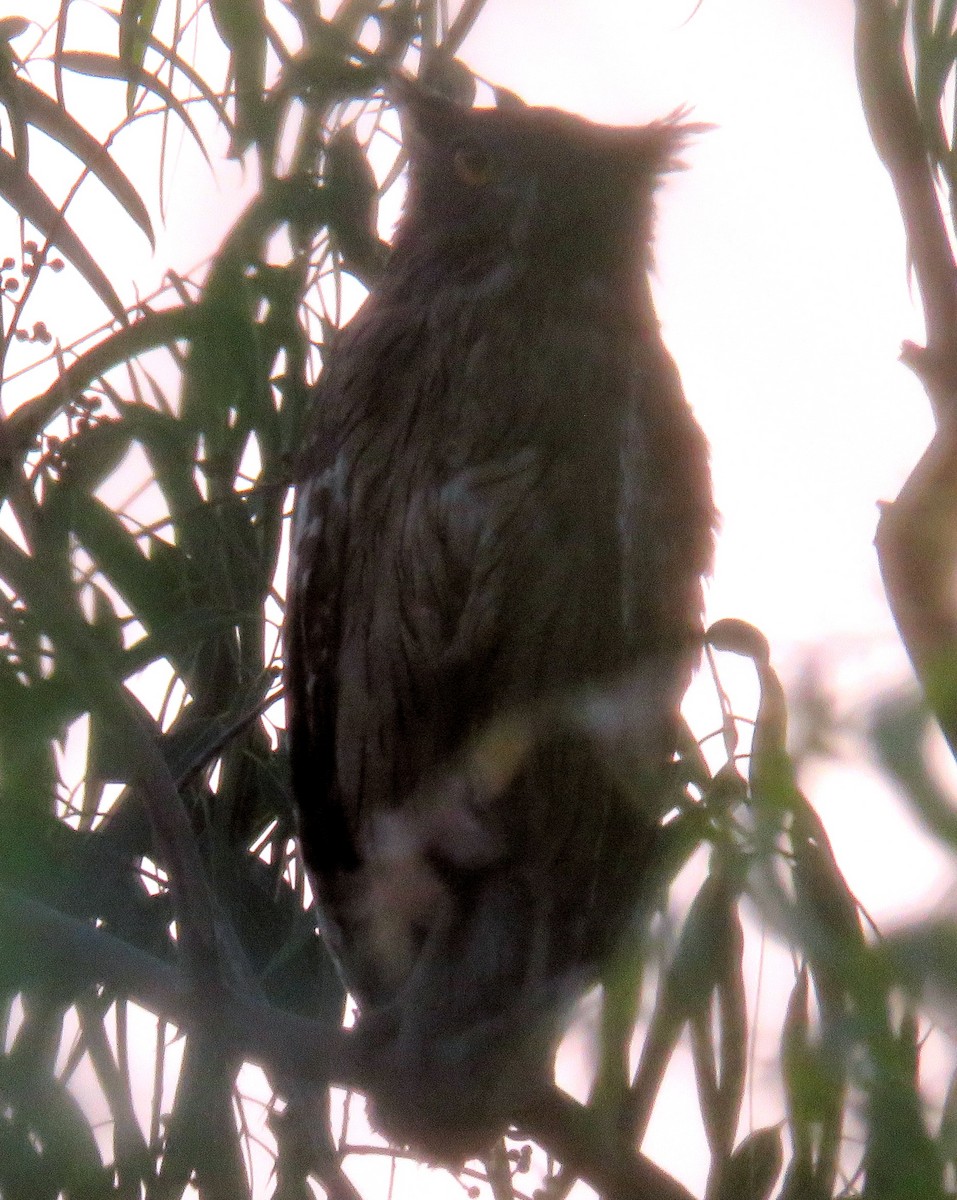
<point x="537" y="183"/>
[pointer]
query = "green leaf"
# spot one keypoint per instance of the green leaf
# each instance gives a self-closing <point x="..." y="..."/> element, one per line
<point x="10" y="93"/>
<point x="709" y="940"/>
<point x="751" y="1171"/>
<point x="814" y="1075"/>
<point x="12" y="27"/>
<point x="45" y="1105"/>
<point x="170" y="447"/>
<point x="708" y="965"/>
<point x="43" y="112"/>
<point x="108" y="626"/>
<point x="225" y="385"/>
<point x="143" y="585"/>
<point x="30" y="717"/>
<point x="150" y="330"/>
<point x="24" y="1171"/>
<point x="771" y="772"/>
<point x="105" y="66"/>
<point x="924" y="957"/>
<point x="27" y="199"/>
<point x="946" y="11"/>
<point x="794" y="1054"/>
<point x="192" y="76"/>
<point x="93" y="454"/>
<point x="898" y="729"/>
<point x="733" y="1034"/>
<point x="137" y="18"/>
<point x="822" y="891"/>
<point x="136" y="26"/>
<point x="58" y="44"/>
<point x="353" y="202"/>
<point x="800" y="1183"/>
<point x="242" y="26"/>
<point x="947" y="1131"/>
<point x="739" y="637"/>
<point x="900" y="1160"/>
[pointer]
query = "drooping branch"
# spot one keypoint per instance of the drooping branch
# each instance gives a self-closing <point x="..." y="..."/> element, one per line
<point x="916" y="538"/>
<point x="298" y="1048"/>
<point x="568" y="1129"/>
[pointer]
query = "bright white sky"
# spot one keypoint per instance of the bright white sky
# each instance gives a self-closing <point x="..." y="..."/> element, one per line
<point x="783" y="295"/>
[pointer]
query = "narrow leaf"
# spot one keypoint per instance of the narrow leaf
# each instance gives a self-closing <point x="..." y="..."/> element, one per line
<point x="10" y="95"/>
<point x="59" y="43"/>
<point x="794" y="1056"/>
<point x="27" y="199"/>
<point x="136" y="25"/>
<point x="105" y="66"/>
<point x="147" y="332"/>
<point x="93" y="454"/>
<point x="193" y="77"/>
<point x="708" y="940"/>
<point x="43" y="112"/>
<point x="11" y="27"/>
<point x="242" y="26"/>
<point x="751" y="1171"/>
<point x="739" y="637"/>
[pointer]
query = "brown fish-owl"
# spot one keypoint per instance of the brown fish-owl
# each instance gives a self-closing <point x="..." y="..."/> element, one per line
<point x="503" y="507"/>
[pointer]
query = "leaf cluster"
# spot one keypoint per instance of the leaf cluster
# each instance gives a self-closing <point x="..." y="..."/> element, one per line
<point x="146" y="834"/>
<point x="148" y="624"/>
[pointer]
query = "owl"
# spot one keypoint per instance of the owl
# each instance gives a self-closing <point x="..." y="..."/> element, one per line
<point x="503" y="515"/>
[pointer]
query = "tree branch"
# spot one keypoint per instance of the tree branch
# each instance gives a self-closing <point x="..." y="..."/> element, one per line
<point x="916" y="537"/>
<point x="892" y="118"/>
<point x="300" y="1049"/>
<point x="613" y="1169"/>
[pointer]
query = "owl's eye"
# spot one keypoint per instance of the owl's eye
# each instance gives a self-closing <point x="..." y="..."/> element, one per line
<point x="473" y="165"/>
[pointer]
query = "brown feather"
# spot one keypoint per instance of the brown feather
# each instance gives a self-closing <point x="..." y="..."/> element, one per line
<point x="504" y="508"/>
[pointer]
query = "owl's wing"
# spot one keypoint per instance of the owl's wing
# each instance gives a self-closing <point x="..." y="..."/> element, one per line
<point x="379" y="624"/>
<point x="665" y="516"/>
<point x="392" y="660"/>
<point x="312" y="635"/>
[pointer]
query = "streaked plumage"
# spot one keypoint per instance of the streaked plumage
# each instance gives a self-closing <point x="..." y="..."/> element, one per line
<point x="504" y="501"/>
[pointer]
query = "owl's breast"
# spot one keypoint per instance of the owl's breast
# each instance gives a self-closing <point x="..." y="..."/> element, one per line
<point x="595" y="395"/>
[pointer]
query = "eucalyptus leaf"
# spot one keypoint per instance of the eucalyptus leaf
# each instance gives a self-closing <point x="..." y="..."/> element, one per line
<point x="752" y="1170"/>
<point x="28" y="199"/>
<point x="12" y="27"/>
<point x="46" y="114"/>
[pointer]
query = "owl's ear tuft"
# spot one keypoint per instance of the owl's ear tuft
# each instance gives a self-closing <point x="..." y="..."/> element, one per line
<point x="657" y="148"/>
<point x="506" y="98"/>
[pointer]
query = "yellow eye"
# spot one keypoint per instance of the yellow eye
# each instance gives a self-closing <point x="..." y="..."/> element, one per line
<point x="472" y="165"/>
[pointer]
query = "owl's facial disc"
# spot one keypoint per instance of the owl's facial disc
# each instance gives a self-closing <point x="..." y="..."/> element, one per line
<point x="551" y="189"/>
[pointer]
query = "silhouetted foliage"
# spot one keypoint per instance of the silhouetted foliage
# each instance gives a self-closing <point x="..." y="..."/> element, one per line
<point x="155" y="934"/>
